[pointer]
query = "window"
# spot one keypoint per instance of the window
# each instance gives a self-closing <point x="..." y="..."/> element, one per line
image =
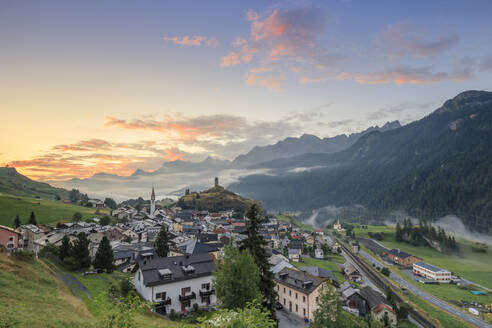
<point x="296" y="295"/>
<point x="138" y="275"/>
<point x="304" y="312"/>
<point x="284" y="301"/>
<point x="284" y="290"/>
<point x="206" y="286"/>
<point x="304" y="299"/>
<point x="185" y="290"/>
<point x="317" y="299"/>
<point x="160" y="296"/>
<point x="11" y="238"/>
<point x="290" y="293"/>
<point x="297" y="308"/>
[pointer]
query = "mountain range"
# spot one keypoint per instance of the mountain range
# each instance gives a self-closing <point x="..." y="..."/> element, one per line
<point x="435" y="166"/>
<point x="173" y="178"/>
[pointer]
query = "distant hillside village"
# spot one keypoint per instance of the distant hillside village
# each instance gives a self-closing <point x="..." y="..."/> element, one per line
<point x="182" y="279"/>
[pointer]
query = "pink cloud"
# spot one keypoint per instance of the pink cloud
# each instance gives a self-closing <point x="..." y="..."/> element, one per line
<point x="307" y="79"/>
<point x="406" y="75"/>
<point x="401" y="39"/>
<point x="269" y="82"/>
<point x="195" y="40"/>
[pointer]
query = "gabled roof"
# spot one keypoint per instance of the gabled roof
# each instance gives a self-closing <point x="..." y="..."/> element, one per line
<point x="202" y="264"/>
<point x="316" y="271"/>
<point x="373" y="298"/>
<point x="301" y="281"/>
<point x="400" y="254"/>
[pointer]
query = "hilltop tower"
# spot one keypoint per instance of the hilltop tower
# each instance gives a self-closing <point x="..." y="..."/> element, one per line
<point x="216" y="181"/>
<point x="152" y="202"/>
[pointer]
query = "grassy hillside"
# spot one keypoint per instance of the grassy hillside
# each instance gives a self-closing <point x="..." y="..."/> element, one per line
<point x="32" y="296"/>
<point x="476" y="267"/>
<point x="14" y="183"/>
<point x="48" y="212"/>
<point x="216" y="199"/>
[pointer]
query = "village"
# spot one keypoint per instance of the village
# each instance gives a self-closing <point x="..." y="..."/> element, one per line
<point x="182" y="281"/>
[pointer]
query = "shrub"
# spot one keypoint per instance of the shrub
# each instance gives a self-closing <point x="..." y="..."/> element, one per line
<point x="173" y="315"/>
<point x="385" y="271"/>
<point x="50" y="250"/>
<point x="71" y="262"/>
<point x="195" y="307"/>
<point x="23" y="255"/>
<point x="125" y="286"/>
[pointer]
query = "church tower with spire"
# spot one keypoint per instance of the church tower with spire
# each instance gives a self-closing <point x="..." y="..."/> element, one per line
<point x="152" y="203"/>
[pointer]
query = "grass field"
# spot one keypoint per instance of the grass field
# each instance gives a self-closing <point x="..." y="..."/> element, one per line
<point x="327" y="265"/>
<point x="32" y="296"/>
<point x="98" y="286"/>
<point x="297" y="223"/>
<point x="47" y="212"/>
<point x="476" y="267"/>
<point x="446" y="320"/>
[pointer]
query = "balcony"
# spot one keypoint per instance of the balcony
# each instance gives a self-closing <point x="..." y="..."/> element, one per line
<point x="206" y="292"/>
<point x="187" y="297"/>
<point x="167" y="301"/>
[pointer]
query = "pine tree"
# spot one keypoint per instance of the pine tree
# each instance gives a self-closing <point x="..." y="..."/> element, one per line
<point x="236" y="279"/>
<point x="65" y="248"/>
<point x="17" y="222"/>
<point x="255" y="244"/>
<point x="162" y="243"/>
<point x="32" y="219"/>
<point x="398" y="234"/>
<point x="104" y="256"/>
<point x="81" y="251"/>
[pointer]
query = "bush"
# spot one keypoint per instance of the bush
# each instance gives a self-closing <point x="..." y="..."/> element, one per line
<point x="173" y="315"/>
<point x="71" y="262"/>
<point x="125" y="286"/>
<point x="50" y="250"/>
<point x="195" y="307"/>
<point x="385" y="271"/>
<point x="23" y="255"/>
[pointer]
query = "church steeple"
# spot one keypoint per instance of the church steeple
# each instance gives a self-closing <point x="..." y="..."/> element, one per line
<point x="152" y="203"/>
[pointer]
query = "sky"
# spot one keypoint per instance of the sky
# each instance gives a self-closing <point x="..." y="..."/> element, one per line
<point x="113" y="86"/>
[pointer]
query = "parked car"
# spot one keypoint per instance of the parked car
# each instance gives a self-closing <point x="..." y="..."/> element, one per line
<point x="278" y="306"/>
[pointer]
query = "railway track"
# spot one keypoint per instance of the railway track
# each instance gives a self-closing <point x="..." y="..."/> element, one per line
<point x="384" y="285"/>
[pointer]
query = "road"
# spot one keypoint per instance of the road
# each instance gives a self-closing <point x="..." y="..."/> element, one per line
<point x="289" y="320"/>
<point x="428" y="297"/>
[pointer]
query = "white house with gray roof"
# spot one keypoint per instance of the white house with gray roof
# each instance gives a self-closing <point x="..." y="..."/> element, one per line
<point x="177" y="282"/>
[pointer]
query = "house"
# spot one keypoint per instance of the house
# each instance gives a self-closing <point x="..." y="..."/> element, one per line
<point x="278" y="262"/>
<point x="9" y="238"/>
<point x="355" y="247"/>
<point x="30" y="233"/>
<point x="428" y="271"/>
<point x="378" y="306"/>
<point x="299" y="292"/>
<point x="336" y="248"/>
<point x="309" y="240"/>
<point x="319" y="232"/>
<point x="352" y="273"/>
<point x="96" y="203"/>
<point x="318" y="272"/>
<point x="337" y="226"/>
<point x="177" y="282"/>
<point x="401" y="258"/>
<point x="294" y="254"/>
<point x="318" y="253"/>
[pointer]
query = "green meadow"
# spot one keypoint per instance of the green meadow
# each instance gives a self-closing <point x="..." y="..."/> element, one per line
<point x="476" y="267"/>
<point x="48" y="212"/>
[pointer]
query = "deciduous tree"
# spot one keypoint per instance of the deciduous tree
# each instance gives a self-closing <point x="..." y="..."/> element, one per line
<point x="237" y="278"/>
